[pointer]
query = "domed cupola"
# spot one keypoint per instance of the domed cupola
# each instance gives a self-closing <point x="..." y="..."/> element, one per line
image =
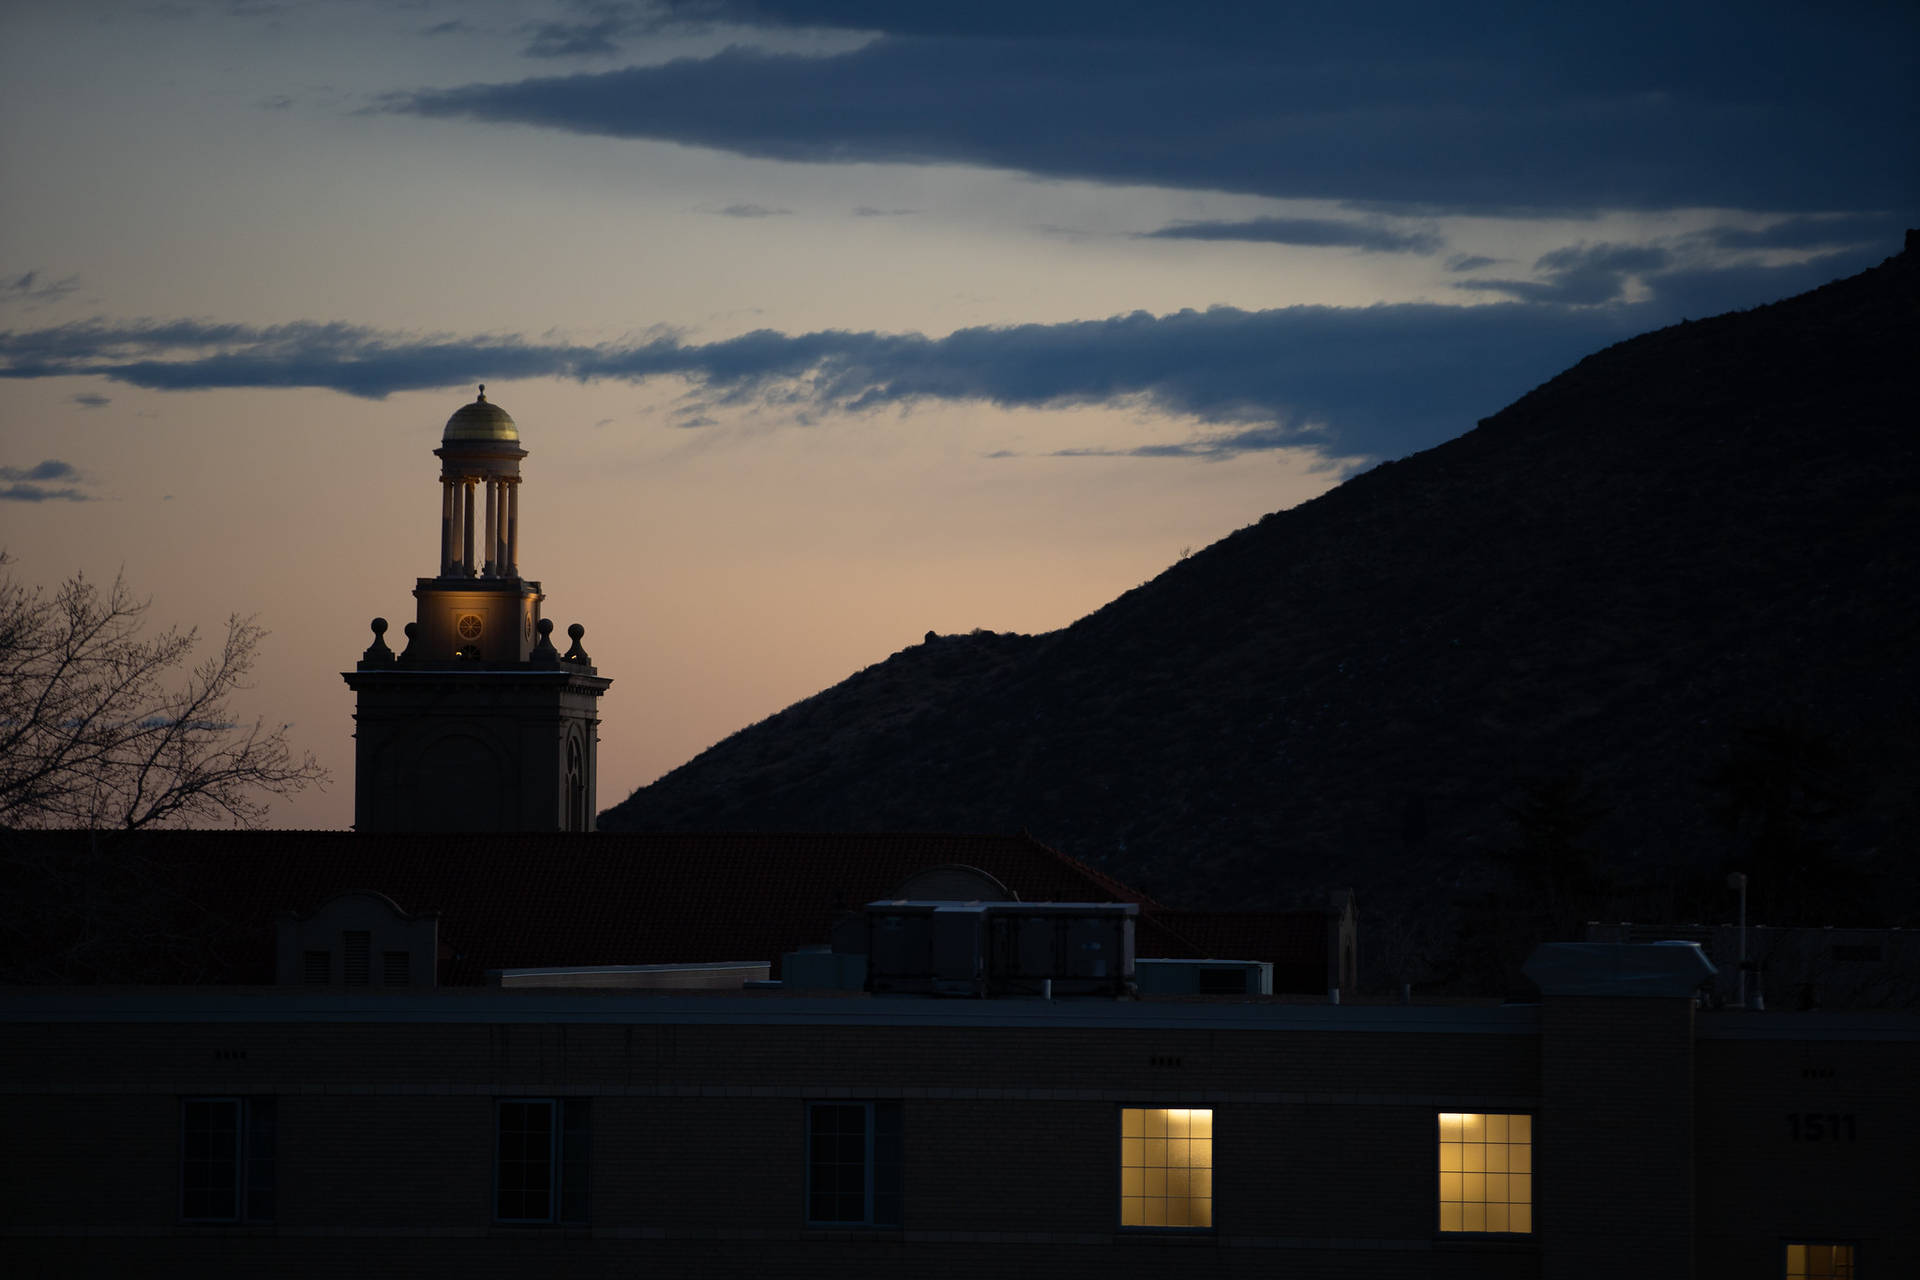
<point x="480" y="422"/>
<point x="480" y="455"/>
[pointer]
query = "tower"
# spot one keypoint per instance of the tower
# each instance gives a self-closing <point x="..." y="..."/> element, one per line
<point x="479" y="723"/>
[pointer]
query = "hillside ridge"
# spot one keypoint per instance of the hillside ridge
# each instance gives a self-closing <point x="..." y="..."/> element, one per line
<point x="1620" y="578"/>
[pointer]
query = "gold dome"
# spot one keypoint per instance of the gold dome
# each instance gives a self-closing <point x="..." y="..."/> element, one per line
<point x="480" y="421"/>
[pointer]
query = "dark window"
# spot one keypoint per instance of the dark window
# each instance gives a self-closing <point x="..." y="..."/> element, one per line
<point x="854" y="1159"/>
<point x="398" y="968"/>
<point x="576" y="788"/>
<point x="226" y="1159"/>
<point x="317" y="968"/>
<point x="357" y="954"/>
<point x="541" y="1157"/>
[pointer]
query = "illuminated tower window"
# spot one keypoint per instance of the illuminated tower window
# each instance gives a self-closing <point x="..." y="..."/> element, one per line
<point x="1819" y="1262"/>
<point x="1486" y="1172"/>
<point x="1166" y="1167"/>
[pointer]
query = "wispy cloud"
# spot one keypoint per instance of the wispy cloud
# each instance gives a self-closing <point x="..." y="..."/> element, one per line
<point x="1379" y="381"/>
<point x="92" y="400"/>
<point x="41" y="483"/>
<point x="869" y="211"/>
<point x="596" y="30"/>
<point x="745" y="209"/>
<point x="1313" y="232"/>
<point x="33" y="288"/>
<point x="1580" y="275"/>
<point x="1382" y="380"/>
<point x="1809" y="233"/>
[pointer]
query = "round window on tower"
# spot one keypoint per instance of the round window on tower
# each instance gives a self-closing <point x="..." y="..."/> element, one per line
<point x="469" y="626"/>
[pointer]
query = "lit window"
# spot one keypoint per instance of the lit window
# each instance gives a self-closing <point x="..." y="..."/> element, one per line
<point x="1486" y="1172"/>
<point x="540" y="1160"/>
<point x="1819" y="1262"/>
<point x="226" y="1159"/>
<point x="854" y="1158"/>
<point x="1166" y="1167"/>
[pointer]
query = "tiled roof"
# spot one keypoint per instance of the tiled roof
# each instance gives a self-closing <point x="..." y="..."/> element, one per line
<point x="526" y="900"/>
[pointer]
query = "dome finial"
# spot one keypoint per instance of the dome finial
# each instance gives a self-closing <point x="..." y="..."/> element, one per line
<point x="483" y="391"/>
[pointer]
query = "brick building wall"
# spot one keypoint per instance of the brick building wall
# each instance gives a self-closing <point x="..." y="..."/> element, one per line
<point x="1324" y="1121"/>
<point x="1617" y="1080"/>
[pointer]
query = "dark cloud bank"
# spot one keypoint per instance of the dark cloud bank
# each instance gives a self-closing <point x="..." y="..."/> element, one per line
<point x="1414" y="106"/>
<point x="1377" y="381"/>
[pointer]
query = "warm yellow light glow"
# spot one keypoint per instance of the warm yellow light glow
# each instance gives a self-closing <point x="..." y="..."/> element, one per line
<point x="1820" y="1262"/>
<point x="1486" y="1173"/>
<point x="1166" y="1167"/>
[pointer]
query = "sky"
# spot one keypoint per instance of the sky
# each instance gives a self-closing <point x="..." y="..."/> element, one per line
<point x="829" y="323"/>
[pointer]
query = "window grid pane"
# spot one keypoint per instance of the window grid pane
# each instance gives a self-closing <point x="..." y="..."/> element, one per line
<point x="1166" y="1167"/>
<point x="210" y="1159"/>
<point x="1486" y="1173"/>
<point x="837" y="1163"/>
<point x="1819" y="1262"/>
<point x="525" y="1162"/>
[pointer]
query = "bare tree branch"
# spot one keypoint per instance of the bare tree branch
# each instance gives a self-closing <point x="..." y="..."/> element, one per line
<point x="94" y="731"/>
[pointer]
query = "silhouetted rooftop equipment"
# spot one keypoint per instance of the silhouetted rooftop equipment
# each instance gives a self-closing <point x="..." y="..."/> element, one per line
<point x="994" y="948"/>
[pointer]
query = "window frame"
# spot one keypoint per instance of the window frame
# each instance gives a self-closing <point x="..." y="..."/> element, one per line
<point x="255" y="1140"/>
<point x="568" y="1161"/>
<point x="1439" y="1201"/>
<point x="1120" y="1167"/>
<point x="883" y="1173"/>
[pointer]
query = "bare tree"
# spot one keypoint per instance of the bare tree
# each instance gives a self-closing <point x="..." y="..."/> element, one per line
<point x="103" y="726"/>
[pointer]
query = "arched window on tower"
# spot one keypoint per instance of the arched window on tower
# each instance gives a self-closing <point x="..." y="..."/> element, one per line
<point x="576" y="787"/>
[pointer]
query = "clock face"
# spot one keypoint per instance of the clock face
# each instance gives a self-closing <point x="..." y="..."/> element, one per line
<point x="469" y="626"/>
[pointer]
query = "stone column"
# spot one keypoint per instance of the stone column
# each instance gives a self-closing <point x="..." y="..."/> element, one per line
<point x="489" y="560"/>
<point x="446" y="527"/>
<point x="454" y="553"/>
<point x="500" y="567"/>
<point x="466" y="519"/>
<point x="513" y="528"/>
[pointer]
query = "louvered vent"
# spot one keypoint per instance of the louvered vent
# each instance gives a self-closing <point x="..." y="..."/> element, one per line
<point x="359" y="950"/>
<point x="397" y="969"/>
<point x="316" y="968"/>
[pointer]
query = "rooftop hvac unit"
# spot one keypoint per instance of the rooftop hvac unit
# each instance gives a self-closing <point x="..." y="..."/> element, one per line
<point x="1000" y="948"/>
<point x="1181" y="977"/>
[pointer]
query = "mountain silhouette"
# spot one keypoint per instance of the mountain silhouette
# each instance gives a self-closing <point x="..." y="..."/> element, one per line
<point x="1679" y="577"/>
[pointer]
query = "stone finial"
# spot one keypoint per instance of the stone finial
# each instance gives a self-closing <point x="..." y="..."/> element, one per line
<point x="543" y="651"/>
<point x="377" y="654"/>
<point x="576" y="653"/>
<point x="411" y="629"/>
